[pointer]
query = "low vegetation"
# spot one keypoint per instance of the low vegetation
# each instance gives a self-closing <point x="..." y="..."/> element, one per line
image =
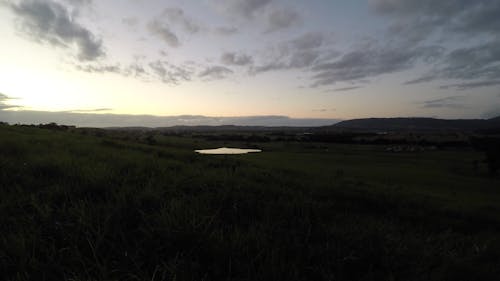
<point x="108" y="205"/>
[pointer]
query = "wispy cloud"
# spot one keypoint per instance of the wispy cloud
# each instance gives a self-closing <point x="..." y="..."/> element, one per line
<point x="169" y="73"/>
<point x="231" y="58"/>
<point x="369" y="61"/>
<point x="423" y="19"/>
<point x="474" y="23"/>
<point x="215" y="72"/>
<point x="94" y="110"/>
<point x="471" y="85"/>
<point x="282" y="18"/>
<point x="300" y="52"/>
<point x="164" y="32"/>
<point x="3" y="105"/>
<point x="347" y="89"/>
<point x="177" y="16"/>
<point x="455" y="102"/>
<point x="130" y="21"/>
<point x="471" y="63"/>
<point x="243" y="8"/>
<point x="78" y="2"/>
<point x="226" y="30"/>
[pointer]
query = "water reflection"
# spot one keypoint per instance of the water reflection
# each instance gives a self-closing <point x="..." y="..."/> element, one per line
<point x="227" y="150"/>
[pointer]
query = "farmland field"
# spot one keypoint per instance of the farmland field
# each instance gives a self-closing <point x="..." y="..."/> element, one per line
<point x="76" y="205"/>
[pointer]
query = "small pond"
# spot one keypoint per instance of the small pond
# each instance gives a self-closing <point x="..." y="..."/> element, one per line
<point x="227" y="150"/>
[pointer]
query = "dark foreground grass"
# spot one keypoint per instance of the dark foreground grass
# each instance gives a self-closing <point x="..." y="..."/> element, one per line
<point x="76" y="207"/>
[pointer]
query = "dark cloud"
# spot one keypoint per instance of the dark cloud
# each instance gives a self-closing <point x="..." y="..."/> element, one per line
<point x="215" y="72"/>
<point x="282" y="18"/>
<point x="369" y="61"/>
<point x="231" y="58"/>
<point x="419" y="20"/>
<point x="455" y="102"/>
<point x="163" y="31"/>
<point x="50" y="22"/>
<point x="481" y="62"/>
<point x="474" y="24"/>
<point x="178" y="17"/>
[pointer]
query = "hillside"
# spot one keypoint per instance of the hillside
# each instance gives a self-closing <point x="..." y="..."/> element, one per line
<point x="417" y="124"/>
<point x="79" y="206"/>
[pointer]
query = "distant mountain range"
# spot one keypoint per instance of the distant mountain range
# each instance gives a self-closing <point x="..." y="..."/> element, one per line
<point x="244" y="123"/>
<point x="106" y="120"/>
<point x="416" y="124"/>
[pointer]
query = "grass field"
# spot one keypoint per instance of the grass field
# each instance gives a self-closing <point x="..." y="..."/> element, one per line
<point x="79" y="207"/>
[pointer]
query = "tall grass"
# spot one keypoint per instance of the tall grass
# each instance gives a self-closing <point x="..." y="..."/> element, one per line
<point x="76" y="207"/>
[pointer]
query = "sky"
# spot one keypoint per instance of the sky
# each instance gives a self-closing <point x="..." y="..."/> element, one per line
<point x="252" y="62"/>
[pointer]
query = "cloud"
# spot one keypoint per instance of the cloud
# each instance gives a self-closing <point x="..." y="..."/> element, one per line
<point x="267" y="13"/>
<point x="474" y="24"/>
<point x="99" y="68"/>
<point x="169" y="73"/>
<point x="471" y="85"/>
<point x="454" y="102"/>
<point x="78" y="2"/>
<point x="480" y="62"/>
<point x="178" y="17"/>
<point x="420" y="20"/>
<point x="369" y="61"/>
<point x="243" y="8"/>
<point x="231" y="58"/>
<point x="50" y="22"/>
<point x="282" y="18"/>
<point x="493" y="112"/>
<point x="163" y="31"/>
<point x="4" y="98"/>
<point x="226" y="30"/>
<point x="135" y="69"/>
<point x="130" y="21"/>
<point x="156" y="70"/>
<point x="95" y="110"/>
<point x="323" y="110"/>
<point x="307" y="41"/>
<point x="299" y="53"/>
<point x="215" y="72"/>
<point x="347" y="89"/>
